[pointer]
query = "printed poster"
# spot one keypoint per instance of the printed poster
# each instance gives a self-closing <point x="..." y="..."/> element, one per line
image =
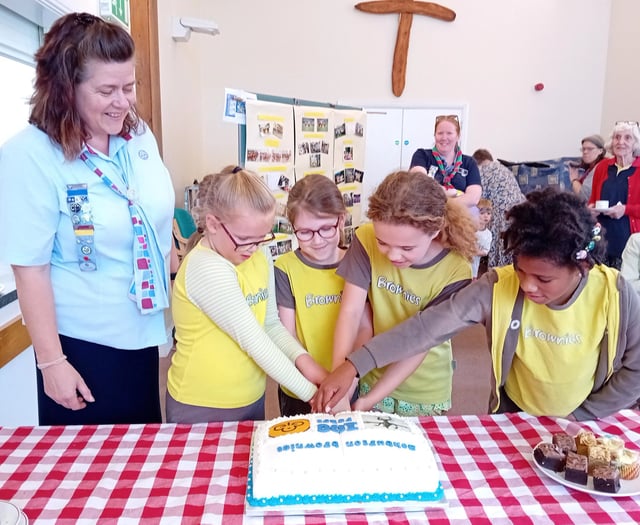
<point x="269" y="153"/>
<point x="348" y="164"/>
<point x="314" y="141"/>
<point x="235" y="105"/>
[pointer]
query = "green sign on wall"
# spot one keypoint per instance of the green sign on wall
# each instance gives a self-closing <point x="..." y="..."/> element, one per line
<point x="116" y="11"/>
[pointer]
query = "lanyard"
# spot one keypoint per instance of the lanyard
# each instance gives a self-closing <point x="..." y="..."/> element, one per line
<point x="148" y="287"/>
<point x="82" y="221"/>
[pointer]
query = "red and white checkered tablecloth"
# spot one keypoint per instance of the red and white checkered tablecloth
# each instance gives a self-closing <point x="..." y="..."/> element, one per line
<point x="129" y="474"/>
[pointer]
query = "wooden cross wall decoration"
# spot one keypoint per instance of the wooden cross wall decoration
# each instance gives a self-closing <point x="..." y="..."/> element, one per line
<point x="406" y="9"/>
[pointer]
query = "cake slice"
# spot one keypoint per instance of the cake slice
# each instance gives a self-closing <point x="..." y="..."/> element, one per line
<point x="598" y="457"/>
<point x="575" y="469"/>
<point x="584" y="439"/>
<point x="549" y="456"/>
<point x="564" y="442"/>
<point x="606" y="479"/>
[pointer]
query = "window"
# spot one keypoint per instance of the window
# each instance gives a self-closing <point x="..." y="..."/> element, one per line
<point x="14" y="103"/>
<point x="19" y="39"/>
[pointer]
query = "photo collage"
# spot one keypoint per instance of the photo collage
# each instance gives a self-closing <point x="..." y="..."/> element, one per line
<point x="348" y="164"/>
<point x="286" y="142"/>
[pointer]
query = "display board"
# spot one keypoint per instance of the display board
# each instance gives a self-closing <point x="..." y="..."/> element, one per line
<point x="284" y="140"/>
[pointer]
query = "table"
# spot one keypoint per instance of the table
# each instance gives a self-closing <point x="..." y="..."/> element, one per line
<point x="129" y="474"/>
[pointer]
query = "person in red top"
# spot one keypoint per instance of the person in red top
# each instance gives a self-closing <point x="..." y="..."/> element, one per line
<point x="617" y="181"/>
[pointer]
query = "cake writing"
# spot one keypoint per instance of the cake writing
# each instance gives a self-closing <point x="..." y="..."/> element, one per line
<point x="293" y="447"/>
<point x="379" y="443"/>
<point x="304" y="446"/>
<point x="337" y="425"/>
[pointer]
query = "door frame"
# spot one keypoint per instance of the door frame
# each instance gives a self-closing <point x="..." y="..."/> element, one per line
<point x="144" y="30"/>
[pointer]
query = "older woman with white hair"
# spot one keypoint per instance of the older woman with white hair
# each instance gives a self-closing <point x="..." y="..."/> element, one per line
<point x="617" y="182"/>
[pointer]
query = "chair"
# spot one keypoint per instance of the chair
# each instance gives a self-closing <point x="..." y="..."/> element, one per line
<point x="183" y="227"/>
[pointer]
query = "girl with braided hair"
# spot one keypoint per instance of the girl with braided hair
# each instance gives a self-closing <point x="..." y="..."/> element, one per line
<point x="561" y="325"/>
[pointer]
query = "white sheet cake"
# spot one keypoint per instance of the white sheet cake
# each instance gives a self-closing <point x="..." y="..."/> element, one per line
<point x="349" y="459"/>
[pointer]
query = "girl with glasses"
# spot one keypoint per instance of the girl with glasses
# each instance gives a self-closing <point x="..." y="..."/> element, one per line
<point x="415" y="252"/>
<point x="457" y="173"/>
<point x="228" y="334"/>
<point x="309" y="291"/>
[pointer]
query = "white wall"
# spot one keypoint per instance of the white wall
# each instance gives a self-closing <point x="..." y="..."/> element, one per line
<point x="490" y="57"/>
<point x="622" y="84"/>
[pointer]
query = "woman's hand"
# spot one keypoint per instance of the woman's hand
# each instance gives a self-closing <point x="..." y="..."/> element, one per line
<point x="65" y="386"/>
<point x="452" y="192"/>
<point x="333" y="388"/>
<point x="615" y="212"/>
<point x="574" y="174"/>
<point x="594" y="212"/>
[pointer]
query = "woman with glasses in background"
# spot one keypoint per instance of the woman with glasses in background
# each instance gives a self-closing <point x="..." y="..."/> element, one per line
<point x="309" y="291"/>
<point x="458" y="174"/>
<point x="616" y="180"/>
<point x="228" y="334"/>
<point x="581" y="173"/>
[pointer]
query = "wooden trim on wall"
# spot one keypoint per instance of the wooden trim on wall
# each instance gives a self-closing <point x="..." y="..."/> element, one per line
<point x="14" y="339"/>
<point x="144" y="30"/>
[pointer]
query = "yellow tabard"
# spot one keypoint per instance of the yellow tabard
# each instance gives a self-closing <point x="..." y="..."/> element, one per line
<point x="318" y="295"/>
<point x="398" y="293"/>
<point x="557" y="353"/>
<point x="209" y="368"/>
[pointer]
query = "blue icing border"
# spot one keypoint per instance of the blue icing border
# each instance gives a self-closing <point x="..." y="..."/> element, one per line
<point x="300" y="499"/>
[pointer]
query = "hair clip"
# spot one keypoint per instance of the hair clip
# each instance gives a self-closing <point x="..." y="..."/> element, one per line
<point x="581" y="255"/>
<point x="236" y="169"/>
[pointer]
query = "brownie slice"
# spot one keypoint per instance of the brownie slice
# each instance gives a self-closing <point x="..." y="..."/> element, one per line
<point x="549" y="456"/>
<point x="606" y="479"/>
<point x="564" y="442"/>
<point x="598" y="456"/>
<point x="575" y="468"/>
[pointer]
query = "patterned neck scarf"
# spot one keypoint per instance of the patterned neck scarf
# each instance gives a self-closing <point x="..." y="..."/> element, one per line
<point x="448" y="172"/>
<point x="149" y="287"/>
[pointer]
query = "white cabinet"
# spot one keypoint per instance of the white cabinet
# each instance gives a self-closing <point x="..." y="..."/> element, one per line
<point x="18" y="396"/>
<point x="19" y="405"/>
<point x="394" y="134"/>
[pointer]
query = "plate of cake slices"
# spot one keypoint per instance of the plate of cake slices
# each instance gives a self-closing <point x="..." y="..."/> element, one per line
<point x="602" y="466"/>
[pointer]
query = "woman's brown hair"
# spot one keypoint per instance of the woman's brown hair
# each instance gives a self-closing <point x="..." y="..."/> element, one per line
<point x="61" y="62"/>
<point x="417" y="200"/>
